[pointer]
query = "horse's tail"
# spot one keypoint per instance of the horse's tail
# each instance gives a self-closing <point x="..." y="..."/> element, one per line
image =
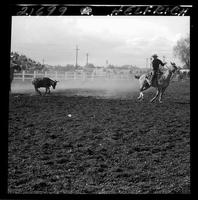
<point x="137" y="76"/>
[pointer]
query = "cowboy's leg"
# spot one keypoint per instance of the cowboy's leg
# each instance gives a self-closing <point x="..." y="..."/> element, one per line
<point x="154" y="77"/>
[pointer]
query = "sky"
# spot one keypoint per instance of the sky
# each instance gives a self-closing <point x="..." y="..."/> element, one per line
<point x="119" y="40"/>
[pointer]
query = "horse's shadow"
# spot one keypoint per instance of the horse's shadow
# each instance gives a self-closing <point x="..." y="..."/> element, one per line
<point x="180" y="102"/>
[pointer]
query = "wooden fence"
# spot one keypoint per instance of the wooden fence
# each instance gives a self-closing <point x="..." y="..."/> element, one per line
<point x="73" y="76"/>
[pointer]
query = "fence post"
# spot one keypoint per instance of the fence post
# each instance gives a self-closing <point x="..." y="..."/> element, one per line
<point x="45" y="74"/>
<point x="23" y="75"/>
<point x="92" y="76"/>
<point x="56" y="75"/>
<point x="65" y="75"/>
<point x="83" y="73"/>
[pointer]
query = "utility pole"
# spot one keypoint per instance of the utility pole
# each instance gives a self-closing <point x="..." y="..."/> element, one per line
<point x="151" y="62"/>
<point x="43" y="65"/>
<point x="77" y="55"/>
<point x="146" y="62"/>
<point x="87" y="58"/>
<point x="106" y="63"/>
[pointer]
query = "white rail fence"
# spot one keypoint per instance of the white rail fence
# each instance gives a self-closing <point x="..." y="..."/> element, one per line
<point x="73" y="76"/>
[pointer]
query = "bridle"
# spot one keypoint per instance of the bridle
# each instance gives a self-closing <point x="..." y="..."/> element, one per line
<point x="165" y="66"/>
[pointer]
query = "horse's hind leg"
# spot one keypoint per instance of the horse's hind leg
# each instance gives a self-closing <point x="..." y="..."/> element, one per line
<point x="141" y="95"/>
<point x="156" y="95"/>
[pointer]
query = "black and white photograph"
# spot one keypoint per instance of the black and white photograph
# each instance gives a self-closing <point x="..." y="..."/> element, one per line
<point x="99" y="104"/>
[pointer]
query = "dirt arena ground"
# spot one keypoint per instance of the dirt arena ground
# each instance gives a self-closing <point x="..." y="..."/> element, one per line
<point x="99" y="140"/>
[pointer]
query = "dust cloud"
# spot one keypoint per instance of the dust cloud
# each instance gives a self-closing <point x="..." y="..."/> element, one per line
<point x="98" y="88"/>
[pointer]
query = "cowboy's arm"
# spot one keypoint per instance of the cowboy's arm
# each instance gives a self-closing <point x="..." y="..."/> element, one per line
<point x="161" y="63"/>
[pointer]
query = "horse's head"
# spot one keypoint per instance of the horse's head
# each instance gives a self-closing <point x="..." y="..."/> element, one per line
<point x="173" y="67"/>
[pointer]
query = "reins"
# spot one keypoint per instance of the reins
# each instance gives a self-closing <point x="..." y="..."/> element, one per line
<point x="172" y="76"/>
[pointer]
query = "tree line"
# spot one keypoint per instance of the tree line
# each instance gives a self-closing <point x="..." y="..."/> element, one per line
<point x="181" y="50"/>
<point x="32" y="65"/>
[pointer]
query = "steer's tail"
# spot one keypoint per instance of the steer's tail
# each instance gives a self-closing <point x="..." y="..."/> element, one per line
<point x="137" y="76"/>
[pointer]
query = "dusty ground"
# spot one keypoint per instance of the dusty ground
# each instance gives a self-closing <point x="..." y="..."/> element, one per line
<point x="75" y="144"/>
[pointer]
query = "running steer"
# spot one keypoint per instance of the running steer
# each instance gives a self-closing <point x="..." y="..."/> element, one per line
<point x="44" y="82"/>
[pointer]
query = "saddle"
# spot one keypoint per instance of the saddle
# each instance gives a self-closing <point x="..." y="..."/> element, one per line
<point x="150" y="76"/>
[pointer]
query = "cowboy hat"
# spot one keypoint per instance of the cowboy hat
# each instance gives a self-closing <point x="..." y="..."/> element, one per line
<point x="154" y="55"/>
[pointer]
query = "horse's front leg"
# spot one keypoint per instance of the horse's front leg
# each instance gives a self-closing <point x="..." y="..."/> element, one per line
<point x="161" y="94"/>
<point x="156" y="95"/>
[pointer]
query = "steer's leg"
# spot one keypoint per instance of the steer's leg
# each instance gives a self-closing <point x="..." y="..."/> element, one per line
<point x="36" y="89"/>
<point x="46" y="90"/>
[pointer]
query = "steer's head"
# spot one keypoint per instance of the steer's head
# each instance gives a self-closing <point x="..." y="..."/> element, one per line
<point x="54" y="84"/>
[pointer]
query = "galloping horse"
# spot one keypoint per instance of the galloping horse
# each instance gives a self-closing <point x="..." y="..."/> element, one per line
<point x="13" y="67"/>
<point x="161" y="84"/>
